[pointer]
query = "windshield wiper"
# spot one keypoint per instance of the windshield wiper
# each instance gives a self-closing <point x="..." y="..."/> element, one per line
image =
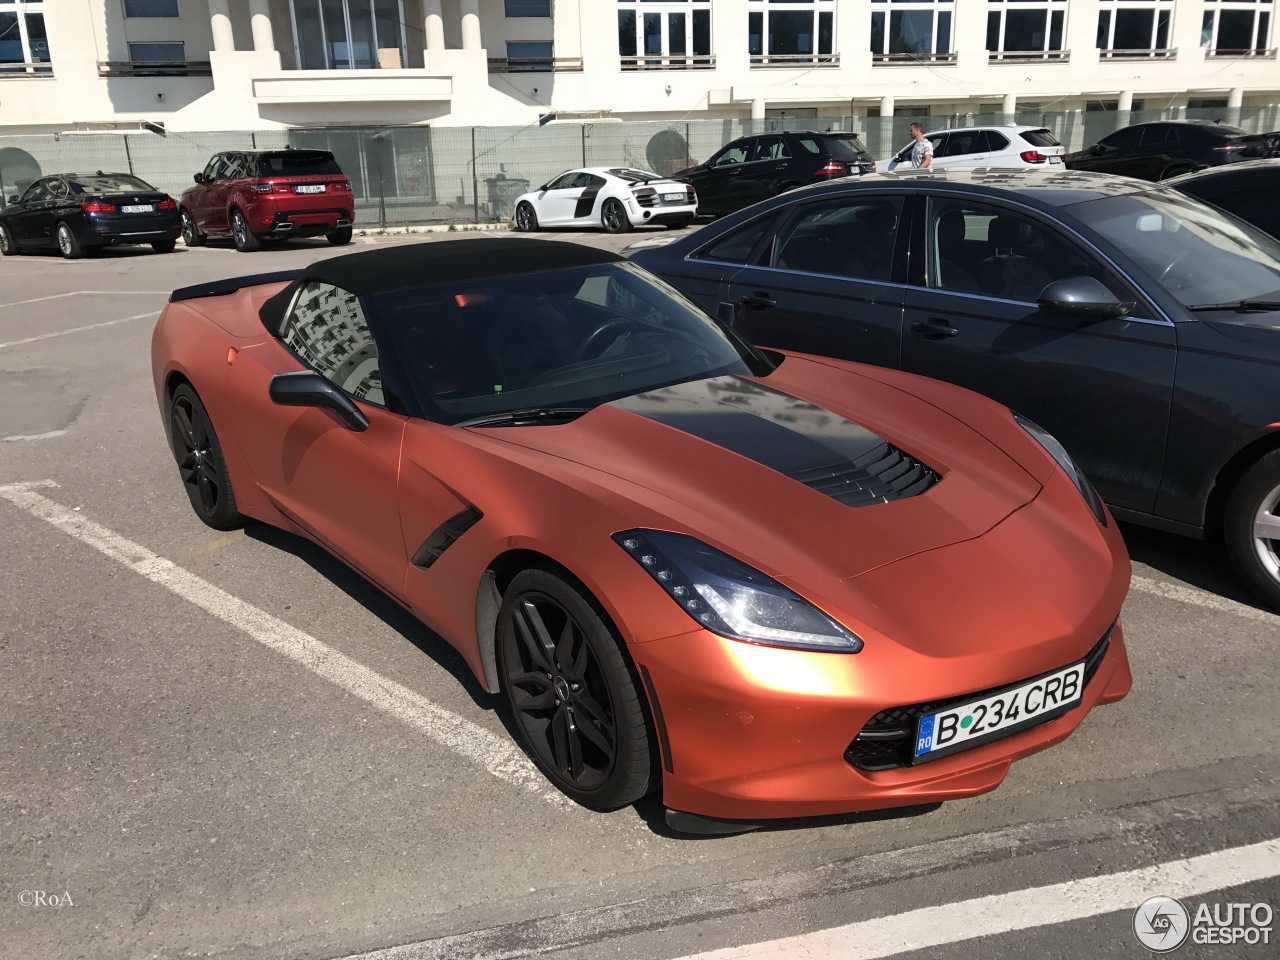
<point x="532" y="415"/>
<point x="1241" y="306"/>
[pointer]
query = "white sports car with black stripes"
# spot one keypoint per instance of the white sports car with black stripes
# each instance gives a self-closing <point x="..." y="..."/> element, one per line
<point x="612" y="198"/>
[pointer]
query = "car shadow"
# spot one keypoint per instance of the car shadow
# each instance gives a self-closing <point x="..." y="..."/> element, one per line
<point x="653" y="812"/>
<point x="1199" y="563"/>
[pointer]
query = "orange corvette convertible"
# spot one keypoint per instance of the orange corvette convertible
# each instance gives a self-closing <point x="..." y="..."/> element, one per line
<point x="771" y="584"/>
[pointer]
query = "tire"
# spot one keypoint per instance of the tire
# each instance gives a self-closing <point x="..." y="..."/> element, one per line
<point x="8" y="246"/>
<point x="526" y="218"/>
<point x="200" y="462"/>
<point x="576" y="703"/>
<point x="1176" y="170"/>
<point x="191" y="237"/>
<point x="613" y="217"/>
<point x="682" y="223"/>
<point x="68" y="245"/>
<point x="1253" y="502"/>
<point x="340" y="237"/>
<point x="163" y="246"/>
<point x="246" y="240"/>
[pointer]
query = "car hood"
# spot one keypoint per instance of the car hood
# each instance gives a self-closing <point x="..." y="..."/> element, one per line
<point x="791" y="486"/>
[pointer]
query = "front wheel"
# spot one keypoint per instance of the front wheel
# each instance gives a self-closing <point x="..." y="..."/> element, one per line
<point x="163" y="246"/>
<point x="574" y="696"/>
<point x="246" y="240"/>
<point x="340" y="237"/>
<point x="613" y="217"/>
<point x="526" y="218"/>
<point x="68" y="245"/>
<point x="8" y="247"/>
<point x="1252" y="528"/>
<point x="200" y="462"/>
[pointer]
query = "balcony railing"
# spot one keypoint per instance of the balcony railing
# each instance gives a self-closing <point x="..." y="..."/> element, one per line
<point x="28" y="69"/>
<point x="1022" y="56"/>
<point x="910" y="58"/>
<point x="681" y="61"/>
<point x="795" y="60"/>
<point x="1221" y="54"/>
<point x="1158" y="53"/>
<point x="154" y="68"/>
<point x="535" y="64"/>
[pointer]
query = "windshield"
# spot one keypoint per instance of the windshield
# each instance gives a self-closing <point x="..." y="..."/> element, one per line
<point x="297" y="163"/>
<point x="1040" y="138"/>
<point x="576" y="337"/>
<point x="634" y="176"/>
<point x="110" y="183"/>
<point x="845" y="147"/>
<point x="1198" y="253"/>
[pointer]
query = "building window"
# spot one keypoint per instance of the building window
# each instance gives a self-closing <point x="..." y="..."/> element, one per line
<point x="151" y="8"/>
<point x="1021" y="30"/>
<point x="665" y="35"/>
<point x="146" y="52"/>
<point x="528" y="56"/>
<point x="782" y="32"/>
<point x="24" y="45"/>
<point x="346" y="34"/>
<point x="910" y="31"/>
<point x="1134" y="28"/>
<point x="1236" y="28"/>
<point x="528" y="8"/>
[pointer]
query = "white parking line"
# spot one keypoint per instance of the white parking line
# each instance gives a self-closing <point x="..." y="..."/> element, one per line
<point x="52" y="296"/>
<point x="938" y="926"/>
<point x="1201" y="598"/>
<point x="33" y="436"/>
<point x="496" y="755"/>
<point x="94" y="293"/>
<point x="90" y="326"/>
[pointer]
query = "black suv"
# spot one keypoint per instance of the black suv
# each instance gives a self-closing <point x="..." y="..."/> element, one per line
<point x="1156" y="151"/>
<point x="757" y="167"/>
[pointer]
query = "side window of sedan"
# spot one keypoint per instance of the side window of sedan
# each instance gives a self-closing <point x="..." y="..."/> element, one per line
<point x="37" y="192"/>
<point x="327" y="328"/>
<point x="737" y="246"/>
<point x="851" y="237"/>
<point x="58" y="189"/>
<point x="1000" y="253"/>
<point x="734" y="153"/>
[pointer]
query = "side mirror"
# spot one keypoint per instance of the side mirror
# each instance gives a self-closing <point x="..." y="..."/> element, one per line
<point x="13" y="199"/>
<point x="727" y="313"/>
<point x="543" y="187"/>
<point x="1083" y="297"/>
<point x="307" y="389"/>
<point x="1097" y="148"/>
<point x="198" y="178"/>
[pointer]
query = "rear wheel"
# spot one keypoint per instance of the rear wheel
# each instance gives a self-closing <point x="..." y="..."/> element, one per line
<point x="163" y="246"/>
<point x="613" y="217"/>
<point x="200" y="462"/>
<point x="573" y="693"/>
<point x="682" y="223"/>
<point x="788" y="187"/>
<point x="340" y="237"/>
<point x="246" y="240"/>
<point x="1252" y="527"/>
<point x="68" y="245"/>
<point x="8" y="247"/>
<point x="1175" y="170"/>
<point x="526" y="218"/>
<point x="190" y="235"/>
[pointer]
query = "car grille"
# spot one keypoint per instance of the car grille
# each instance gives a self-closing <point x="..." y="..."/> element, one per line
<point x="882" y="474"/>
<point x="885" y="741"/>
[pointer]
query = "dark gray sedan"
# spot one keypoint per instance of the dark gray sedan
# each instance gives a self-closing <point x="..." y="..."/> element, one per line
<point x="1137" y="324"/>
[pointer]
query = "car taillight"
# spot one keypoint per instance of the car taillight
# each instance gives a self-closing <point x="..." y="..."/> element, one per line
<point x="645" y="196"/>
<point x="343" y="186"/>
<point x="1033" y="156"/>
<point x="832" y="167"/>
<point x="264" y="187"/>
<point x="167" y="205"/>
<point x="97" y="206"/>
<point x="872" y="168"/>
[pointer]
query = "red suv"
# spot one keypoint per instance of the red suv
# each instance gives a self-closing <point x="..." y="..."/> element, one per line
<point x="249" y="195"/>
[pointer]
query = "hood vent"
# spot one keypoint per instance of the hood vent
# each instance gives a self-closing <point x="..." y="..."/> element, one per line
<point x="884" y="474"/>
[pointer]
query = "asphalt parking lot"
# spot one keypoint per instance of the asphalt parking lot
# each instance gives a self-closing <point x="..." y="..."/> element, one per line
<point x="228" y="745"/>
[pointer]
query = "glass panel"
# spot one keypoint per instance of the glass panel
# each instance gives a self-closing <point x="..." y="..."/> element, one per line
<point x="1024" y="30"/>
<point x="1104" y="30"/>
<point x="310" y="39"/>
<point x="737" y="246"/>
<point x="156" y="51"/>
<point x="1235" y="30"/>
<point x="755" y="33"/>
<point x="825" y="30"/>
<point x="911" y="31"/>
<point x="627" y="33"/>
<point x="846" y="237"/>
<point x="528" y="8"/>
<point x="702" y="33"/>
<point x="37" y="40"/>
<point x="653" y="33"/>
<point x="335" y="26"/>
<point x="790" y="32"/>
<point x="295" y="163"/>
<point x="877" y="32"/>
<point x="1206" y="28"/>
<point x="1264" y="21"/>
<point x="362" y="53"/>
<point x="993" y="30"/>
<point x="675" y="33"/>
<point x="943" y="44"/>
<point x="1055" y="30"/>
<point x="1133" y="29"/>
<point x="10" y="39"/>
<point x="1162" y="30"/>
<point x="328" y="330"/>
<point x="151" y="8"/>
<point x="386" y="18"/>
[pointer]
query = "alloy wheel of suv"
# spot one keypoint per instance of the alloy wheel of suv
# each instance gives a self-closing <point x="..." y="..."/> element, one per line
<point x="246" y="240"/>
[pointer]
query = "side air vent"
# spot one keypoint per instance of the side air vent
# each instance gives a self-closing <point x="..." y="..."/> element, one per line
<point x="444" y="536"/>
<point x="882" y="474"/>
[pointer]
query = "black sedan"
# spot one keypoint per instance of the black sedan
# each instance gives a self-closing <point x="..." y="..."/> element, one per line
<point x="78" y="213"/>
<point x="1169" y="148"/>
<point x="1251" y="191"/>
<point x="1138" y="325"/>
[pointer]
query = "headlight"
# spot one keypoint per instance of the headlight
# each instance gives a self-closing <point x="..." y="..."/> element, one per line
<point x="1059" y="453"/>
<point x="728" y="597"/>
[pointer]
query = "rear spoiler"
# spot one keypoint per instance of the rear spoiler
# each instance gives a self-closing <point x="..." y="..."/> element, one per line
<point x="221" y="288"/>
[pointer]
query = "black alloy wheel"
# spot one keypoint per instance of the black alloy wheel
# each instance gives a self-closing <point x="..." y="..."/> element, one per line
<point x="200" y="462"/>
<point x="7" y="247"/>
<point x="190" y="235"/>
<point x="572" y="692"/>
<point x="613" y="217"/>
<point x="526" y="218"/>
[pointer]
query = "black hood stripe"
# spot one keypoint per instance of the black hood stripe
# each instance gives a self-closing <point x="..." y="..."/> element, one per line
<point x="801" y="440"/>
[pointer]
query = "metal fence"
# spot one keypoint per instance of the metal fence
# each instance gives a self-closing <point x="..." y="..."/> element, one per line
<point x="422" y="174"/>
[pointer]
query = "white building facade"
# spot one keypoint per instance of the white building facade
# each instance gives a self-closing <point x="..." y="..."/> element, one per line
<point x="214" y="65"/>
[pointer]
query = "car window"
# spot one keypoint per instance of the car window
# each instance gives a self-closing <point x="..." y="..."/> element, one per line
<point x="57" y="188"/>
<point x="736" y="247"/>
<point x="109" y="183"/>
<point x="851" y="237"/>
<point x="997" y="252"/>
<point x="37" y="192"/>
<point x="237" y="167"/>
<point x="994" y="142"/>
<point x="963" y="142"/>
<point x="1038" y="138"/>
<point x="734" y="153"/>
<point x="328" y="330"/>
<point x="770" y="148"/>
<point x="809" y="144"/>
<point x="1154" y="135"/>
<point x="293" y="163"/>
<point x="844" y="146"/>
<point x="213" y="170"/>
<point x="1261" y="207"/>
<point x="1123" y="139"/>
<point x="563" y="181"/>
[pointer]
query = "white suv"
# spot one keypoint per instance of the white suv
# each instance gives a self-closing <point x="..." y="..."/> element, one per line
<point x="1011" y="146"/>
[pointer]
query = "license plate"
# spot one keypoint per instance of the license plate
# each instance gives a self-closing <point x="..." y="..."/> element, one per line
<point x="310" y="188"/>
<point x="673" y="196"/>
<point x="137" y="208"/>
<point x="1000" y="714"/>
<point x="1055" y="159"/>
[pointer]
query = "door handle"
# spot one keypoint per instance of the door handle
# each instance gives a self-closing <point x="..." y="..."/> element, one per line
<point x="758" y="301"/>
<point x="934" y="329"/>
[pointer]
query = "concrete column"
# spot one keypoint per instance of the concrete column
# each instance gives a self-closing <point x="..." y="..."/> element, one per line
<point x="1124" y="109"/>
<point x="434" y="25"/>
<point x="757" y="108"/>
<point x="886" y="106"/>
<point x="264" y="40"/>
<point x="224" y="40"/>
<point x="1009" y="106"/>
<point x="471" y="24"/>
<point x="1235" y="100"/>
